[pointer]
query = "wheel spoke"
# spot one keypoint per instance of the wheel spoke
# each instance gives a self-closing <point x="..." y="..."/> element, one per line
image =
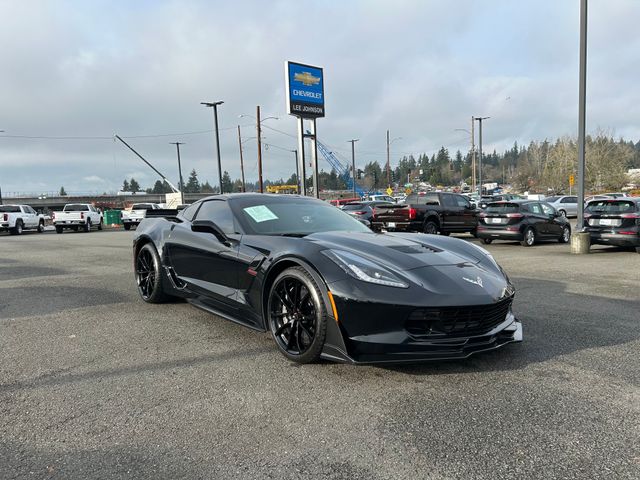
<point x="282" y="328"/>
<point x="291" y="336"/>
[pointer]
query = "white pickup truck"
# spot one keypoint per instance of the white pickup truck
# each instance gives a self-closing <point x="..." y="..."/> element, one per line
<point x="17" y="218"/>
<point x="131" y="218"/>
<point x="77" y="216"/>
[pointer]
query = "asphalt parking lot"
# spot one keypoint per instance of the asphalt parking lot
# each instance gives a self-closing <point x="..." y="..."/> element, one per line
<point x="96" y="384"/>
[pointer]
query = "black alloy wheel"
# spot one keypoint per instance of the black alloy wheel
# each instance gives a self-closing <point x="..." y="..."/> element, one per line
<point x="431" y="227"/>
<point x="566" y="235"/>
<point x="297" y="315"/>
<point x="529" y="238"/>
<point x="148" y="276"/>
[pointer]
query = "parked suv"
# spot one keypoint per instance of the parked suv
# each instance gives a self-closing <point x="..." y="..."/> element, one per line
<point x="566" y="205"/>
<point x="614" y="221"/>
<point x="526" y="221"/>
<point x="433" y="212"/>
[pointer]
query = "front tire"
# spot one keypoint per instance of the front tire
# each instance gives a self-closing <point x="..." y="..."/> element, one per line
<point x="487" y="241"/>
<point x="566" y="235"/>
<point x="148" y="275"/>
<point x="562" y="213"/>
<point x="100" y="225"/>
<point x="297" y="315"/>
<point x="529" y="239"/>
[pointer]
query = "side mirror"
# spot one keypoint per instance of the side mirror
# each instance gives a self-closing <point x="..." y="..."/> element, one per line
<point x="207" y="226"/>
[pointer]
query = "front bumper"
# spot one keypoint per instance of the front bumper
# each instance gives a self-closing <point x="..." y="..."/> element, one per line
<point x="379" y="334"/>
<point x="616" y="239"/>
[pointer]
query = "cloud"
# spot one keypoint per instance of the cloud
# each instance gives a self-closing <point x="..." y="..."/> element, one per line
<point x="417" y="68"/>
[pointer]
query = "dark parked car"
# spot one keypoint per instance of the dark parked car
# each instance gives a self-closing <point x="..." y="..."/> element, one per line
<point x="323" y="284"/>
<point x="363" y="210"/>
<point x="434" y="212"/>
<point x="614" y="221"/>
<point x="527" y="221"/>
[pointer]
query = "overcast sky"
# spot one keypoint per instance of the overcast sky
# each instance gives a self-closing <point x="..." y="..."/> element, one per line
<point x="419" y="68"/>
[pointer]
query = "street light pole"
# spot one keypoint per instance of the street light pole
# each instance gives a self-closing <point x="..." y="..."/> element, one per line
<point x="177" y="144"/>
<point x="241" y="160"/>
<point x="473" y="153"/>
<point x="388" y="162"/>
<point x="480" y="119"/>
<point x="214" y="105"/>
<point x="258" y="128"/>
<point x="1" y="131"/>
<point x="582" y="105"/>
<point x="353" y="161"/>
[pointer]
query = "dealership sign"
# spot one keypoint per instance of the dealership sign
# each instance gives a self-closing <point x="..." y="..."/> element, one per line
<point x="305" y="90"/>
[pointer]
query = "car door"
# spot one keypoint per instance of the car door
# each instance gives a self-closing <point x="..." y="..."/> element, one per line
<point x="208" y="265"/>
<point x="452" y="213"/>
<point x="468" y="214"/>
<point x="554" y="224"/>
<point x="570" y="205"/>
<point x="539" y="219"/>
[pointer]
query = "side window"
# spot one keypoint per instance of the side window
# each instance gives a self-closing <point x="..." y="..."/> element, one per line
<point x="218" y="211"/>
<point x="569" y="200"/>
<point x="548" y="209"/>
<point x="189" y="212"/>
<point x="535" y="208"/>
<point x="430" y="199"/>
<point x="462" y="202"/>
<point x="449" y="201"/>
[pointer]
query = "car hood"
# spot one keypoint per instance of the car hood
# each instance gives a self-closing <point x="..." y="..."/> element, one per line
<point x="403" y="251"/>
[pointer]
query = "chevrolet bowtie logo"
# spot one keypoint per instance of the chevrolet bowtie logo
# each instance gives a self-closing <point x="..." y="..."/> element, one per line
<point x="306" y="78"/>
<point x="477" y="281"/>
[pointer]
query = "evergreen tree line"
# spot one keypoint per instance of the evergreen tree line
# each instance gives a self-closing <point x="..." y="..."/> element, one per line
<point x="539" y="166"/>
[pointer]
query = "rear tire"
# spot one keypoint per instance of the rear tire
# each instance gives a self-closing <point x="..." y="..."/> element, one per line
<point x="100" y="225"/>
<point x="148" y="275"/>
<point x="637" y="249"/>
<point x="297" y="315"/>
<point x="41" y="226"/>
<point x="430" y="227"/>
<point x="87" y="226"/>
<point x="529" y="238"/>
<point x="17" y="230"/>
<point x="59" y="229"/>
<point x="127" y="226"/>
<point x="487" y="241"/>
<point x="566" y="235"/>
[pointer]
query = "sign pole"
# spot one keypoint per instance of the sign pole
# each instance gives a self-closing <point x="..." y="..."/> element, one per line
<point x="314" y="159"/>
<point x="301" y="157"/>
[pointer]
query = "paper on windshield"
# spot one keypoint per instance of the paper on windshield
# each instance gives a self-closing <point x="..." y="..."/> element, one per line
<point x="260" y="213"/>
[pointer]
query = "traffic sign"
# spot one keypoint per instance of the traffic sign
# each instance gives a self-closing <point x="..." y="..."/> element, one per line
<point x="389" y="191"/>
<point x="572" y="180"/>
<point x="407" y="191"/>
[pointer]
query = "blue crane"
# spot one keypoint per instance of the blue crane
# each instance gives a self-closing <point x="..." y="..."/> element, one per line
<point x="342" y="171"/>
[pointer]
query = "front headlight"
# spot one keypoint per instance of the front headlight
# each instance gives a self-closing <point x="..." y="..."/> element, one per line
<point x="363" y="269"/>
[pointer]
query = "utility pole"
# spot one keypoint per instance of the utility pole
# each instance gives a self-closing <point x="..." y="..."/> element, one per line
<point x="177" y="144"/>
<point x="353" y="161"/>
<point x="259" y="149"/>
<point x="241" y="159"/>
<point x="480" y="119"/>
<point x="214" y="105"/>
<point x="1" y="131"/>
<point x="473" y="154"/>
<point x="388" y="162"/>
<point x="297" y="169"/>
<point x="582" y="120"/>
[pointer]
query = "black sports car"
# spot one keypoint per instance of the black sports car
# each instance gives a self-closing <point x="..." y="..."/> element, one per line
<point x="323" y="284"/>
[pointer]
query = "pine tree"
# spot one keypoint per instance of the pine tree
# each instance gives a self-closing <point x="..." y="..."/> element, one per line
<point x="193" y="185"/>
<point x="63" y="192"/>
<point x="227" y="185"/>
<point x="125" y="186"/>
<point x="134" y="186"/>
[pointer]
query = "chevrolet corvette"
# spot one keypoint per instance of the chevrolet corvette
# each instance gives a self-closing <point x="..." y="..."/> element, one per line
<point x="323" y="284"/>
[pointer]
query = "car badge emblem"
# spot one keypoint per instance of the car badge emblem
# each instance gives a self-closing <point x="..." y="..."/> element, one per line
<point x="306" y="78"/>
<point x="477" y="281"/>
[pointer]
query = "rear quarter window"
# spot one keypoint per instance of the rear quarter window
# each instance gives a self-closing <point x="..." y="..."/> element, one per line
<point x="612" y="206"/>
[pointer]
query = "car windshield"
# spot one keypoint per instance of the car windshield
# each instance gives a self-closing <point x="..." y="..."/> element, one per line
<point x="551" y="199"/>
<point x="76" y="208"/>
<point x="292" y="216"/>
<point x="502" y="208"/>
<point x="611" y="206"/>
<point x="9" y="209"/>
